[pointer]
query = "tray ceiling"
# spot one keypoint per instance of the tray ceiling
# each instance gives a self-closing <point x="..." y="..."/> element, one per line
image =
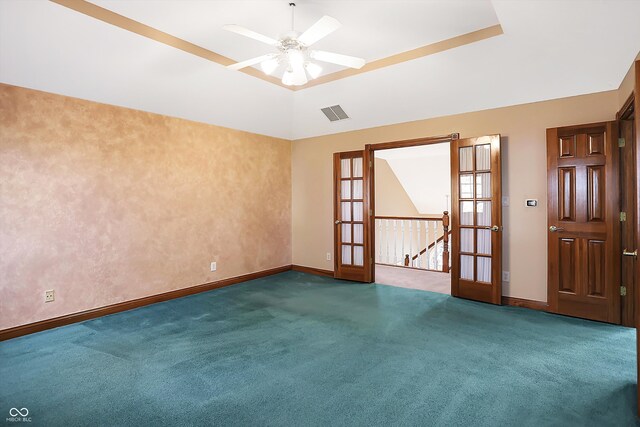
<point x="548" y="50"/>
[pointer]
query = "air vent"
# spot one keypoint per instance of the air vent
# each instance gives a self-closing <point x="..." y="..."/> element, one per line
<point x="335" y="113"/>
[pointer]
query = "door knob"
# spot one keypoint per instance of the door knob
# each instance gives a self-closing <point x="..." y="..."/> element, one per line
<point x="495" y="228"/>
<point x="627" y="253"/>
<point x="338" y="222"/>
<point x="553" y="229"/>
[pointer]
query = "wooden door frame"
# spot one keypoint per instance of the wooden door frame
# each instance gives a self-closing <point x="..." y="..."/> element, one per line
<point x="370" y="149"/>
<point x="626" y="113"/>
<point x="637" y="126"/>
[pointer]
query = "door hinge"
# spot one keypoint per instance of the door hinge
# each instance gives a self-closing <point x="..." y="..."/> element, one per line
<point x="623" y="216"/>
<point x="621" y="142"/>
<point x="623" y="291"/>
<point x="371" y="261"/>
<point x="370" y="212"/>
<point x="370" y="163"/>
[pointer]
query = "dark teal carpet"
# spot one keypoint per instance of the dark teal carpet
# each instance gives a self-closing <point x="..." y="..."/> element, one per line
<point x="299" y="350"/>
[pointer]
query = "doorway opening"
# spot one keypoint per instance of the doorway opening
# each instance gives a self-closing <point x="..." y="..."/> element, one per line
<point x="475" y="241"/>
<point x="412" y="202"/>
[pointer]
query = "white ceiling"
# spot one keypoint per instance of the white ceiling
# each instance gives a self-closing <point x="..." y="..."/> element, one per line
<point x="550" y="49"/>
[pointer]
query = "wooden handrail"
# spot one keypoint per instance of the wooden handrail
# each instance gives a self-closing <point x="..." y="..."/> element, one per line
<point x="412" y="218"/>
<point x="440" y="239"/>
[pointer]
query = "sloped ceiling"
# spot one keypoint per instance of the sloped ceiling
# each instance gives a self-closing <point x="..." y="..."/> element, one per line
<point x="549" y="49"/>
<point x="424" y="173"/>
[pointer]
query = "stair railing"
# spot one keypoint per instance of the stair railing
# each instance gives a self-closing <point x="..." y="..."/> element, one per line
<point x="414" y="242"/>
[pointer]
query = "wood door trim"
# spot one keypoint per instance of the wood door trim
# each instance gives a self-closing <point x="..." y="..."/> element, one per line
<point x="336" y="212"/>
<point x="627" y="165"/>
<point x="637" y="130"/>
<point x="627" y="108"/>
<point x="411" y="218"/>
<point x="81" y="316"/>
<point x="412" y="142"/>
<point x="568" y="130"/>
<point x="370" y="148"/>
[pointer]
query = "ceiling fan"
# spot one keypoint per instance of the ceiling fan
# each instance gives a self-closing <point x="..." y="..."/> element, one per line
<point x="293" y="51"/>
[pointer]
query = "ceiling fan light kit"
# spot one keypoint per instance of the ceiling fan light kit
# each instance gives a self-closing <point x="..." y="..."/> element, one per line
<point x="293" y="53"/>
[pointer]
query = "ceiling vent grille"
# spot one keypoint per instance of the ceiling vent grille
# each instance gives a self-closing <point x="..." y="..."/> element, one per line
<point x="334" y="113"/>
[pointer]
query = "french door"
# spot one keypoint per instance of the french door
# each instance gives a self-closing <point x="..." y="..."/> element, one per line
<point x="476" y="251"/>
<point x="583" y="220"/>
<point x="352" y="216"/>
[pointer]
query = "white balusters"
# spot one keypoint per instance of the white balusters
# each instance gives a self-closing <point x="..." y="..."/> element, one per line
<point x="418" y="233"/>
<point x="421" y="240"/>
<point x="386" y="227"/>
<point x="395" y="243"/>
<point x="402" y="231"/>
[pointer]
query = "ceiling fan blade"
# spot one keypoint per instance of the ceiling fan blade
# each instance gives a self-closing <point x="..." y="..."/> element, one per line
<point x="250" y="62"/>
<point x="322" y="28"/>
<point x="249" y="33"/>
<point x="336" y="58"/>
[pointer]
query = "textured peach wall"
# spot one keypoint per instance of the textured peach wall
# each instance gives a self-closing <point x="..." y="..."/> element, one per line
<point x="105" y="204"/>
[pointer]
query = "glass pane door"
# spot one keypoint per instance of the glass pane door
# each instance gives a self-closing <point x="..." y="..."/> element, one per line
<point x="477" y="219"/>
<point x="351" y="212"/>
<point x="352" y="247"/>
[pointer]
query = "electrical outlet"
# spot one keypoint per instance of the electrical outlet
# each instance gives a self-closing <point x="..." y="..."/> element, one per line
<point x="214" y="266"/>
<point x="49" y="296"/>
<point x="328" y="256"/>
<point x="505" y="276"/>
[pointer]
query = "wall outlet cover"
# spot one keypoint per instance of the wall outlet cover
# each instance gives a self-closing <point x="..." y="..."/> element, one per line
<point x="49" y="296"/>
<point x="328" y="256"/>
<point x="505" y="200"/>
<point x="505" y="276"/>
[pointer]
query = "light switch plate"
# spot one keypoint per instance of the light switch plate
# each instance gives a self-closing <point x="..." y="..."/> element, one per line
<point x="505" y="200"/>
<point x="214" y="266"/>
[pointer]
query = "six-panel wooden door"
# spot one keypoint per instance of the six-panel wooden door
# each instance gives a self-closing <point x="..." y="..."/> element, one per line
<point x="476" y="221"/>
<point x="583" y="221"/>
